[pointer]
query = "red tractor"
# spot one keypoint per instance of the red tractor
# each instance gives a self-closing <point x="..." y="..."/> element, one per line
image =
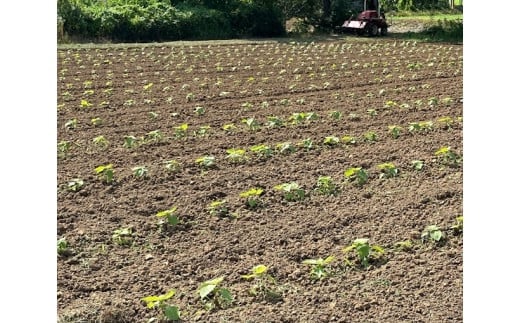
<point x="371" y="21"/>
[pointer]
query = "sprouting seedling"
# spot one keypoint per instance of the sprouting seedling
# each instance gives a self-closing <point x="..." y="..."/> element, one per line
<point x="173" y="166"/>
<point x="154" y="136"/>
<point x="202" y="131"/>
<point x="433" y="101"/>
<point x="326" y="186"/>
<point x="229" y="128"/>
<point x="291" y="191"/>
<point x="140" y="171"/>
<point x="262" y="150"/>
<point x="395" y="131"/>
<point x="130" y="141"/>
<point x="123" y="236"/>
<point x="403" y="245"/>
<point x="71" y="124"/>
<point x="148" y="86"/>
<point x="247" y="105"/>
<point x="265" y="286"/>
<point x="358" y="175"/>
<point x="446" y="122"/>
<point x="335" y="115"/>
<point x="153" y="115"/>
<point x="349" y="140"/>
<point x="447" y="156"/>
<point x="219" y="208"/>
<point x="190" y="97"/>
<point x="432" y="233"/>
<point x="251" y="124"/>
<point x="100" y="141"/>
<point x="85" y="104"/>
<point x="319" y="267"/>
<point x="274" y="122"/>
<point x="364" y="250"/>
<point x="354" y="117"/>
<point x="372" y="112"/>
<point x="417" y="164"/>
<point x="370" y="136"/>
<point x="285" y="147"/>
<point x="206" y="162"/>
<point x="96" y="122"/>
<point x="213" y="295"/>
<point x="307" y="144"/>
<point x="181" y="131"/>
<point x="106" y="172"/>
<point x="159" y="301"/>
<point x="63" y="247"/>
<point x="63" y="148"/>
<point x="388" y="170"/>
<point x="75" y="184"/>
<point x="458" y="226"/>
<point x="252" y="197"/>
<point x="171" y="216"/>
<point x="331" y="141"/>
<point x="236" y="155"/>
<point x="199" y="110"/>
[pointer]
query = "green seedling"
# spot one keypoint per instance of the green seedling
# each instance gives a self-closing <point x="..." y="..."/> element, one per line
<point x="370" y="136"/>
<point x="417" y="164"/>
<point x="85" y="104"/>
<point x="71" y="124"/>
<point x="319" y="267"/>
<point x="448" y="157"/>
<point x="307" y="144"/>
<point x="199" y="110"/>
<point x="445" y="122"/>
<point x="372" y="112"/>
<point x="458" y="226"/>
<point x="96" y="122"/>
<point x="148" y="86"/>
<point x="365" y="251"/>
<point x="354" y="117"/>
<point x="130" y="142"/>
<point x="349" y="140"/>
<point x="236" y="155"/>
<point x="213" y="295"/>
<point x="202" y="131"/>
<point x="432" y="233"/>
<point x="63" y="247"/>
<point x="229" y="128"/>
<point x="247" y="106"/>
<point x="262" y="151"/>
<point x="395" y="131"/>
<point x="173" y="166"/>
<point x="140" y="171"/>
<point x="336" y="115"/>
<point x="297" y="117"/>
<point x="388" y="170"/>
<point x="153" y="115"/>
<point x="171" y="313"/>
<point x="106" y="172"/>
<point x="326" y="186"/>
<point x="154" y="136"/>
<point x="252" y="197"/>
<point x="100" y="142"/>
<point x="63" y="148"/>
<point x="291" y="191"/>
<point x="357" y="175"/>
<point x="265" y="286"/>
<point x="181" y="131"/>
<point x="190" y="97"/>
<point x="75" y="184"/>
<point x="274" y="122"/>
<point x="331" y="141"/>
<point x="206" y="162"/>
<point x="170" y="215"/>
<point x="422" y="126"/>
<point x="285" y="147"/>
<point x="405" y="245"/>
<point x="219" y="208"/>
<point x="251" y="124"/>
<point x="123" y="236"/>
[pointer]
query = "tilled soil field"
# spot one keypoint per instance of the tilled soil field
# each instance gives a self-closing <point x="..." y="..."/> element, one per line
<point x="343" y="140"/>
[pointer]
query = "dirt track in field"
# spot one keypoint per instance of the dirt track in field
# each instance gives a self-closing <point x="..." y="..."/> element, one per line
<point x="147" y="91"/>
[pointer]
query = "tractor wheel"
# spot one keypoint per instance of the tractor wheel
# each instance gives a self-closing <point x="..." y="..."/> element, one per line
<point x="384" y="31"/>
<point x="372" y="30"/>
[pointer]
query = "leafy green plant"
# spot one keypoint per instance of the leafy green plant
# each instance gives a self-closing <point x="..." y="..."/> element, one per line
<point x="106" y="172"/>
<point x="403" y="245"/>
<point x="364" y="250"/>
<point x="213" y="295"/>
<point x="458" y="226"/>
<point x="229" y="128"/>
<point x="199" y="110"/>
<point x="251" y="124"/>
<point x="153" y="115"/>
<point x="140" y="171"/>
<point x="181" y="131"/>
<point x="417" y="164"/>
<point x="395" y="131"/>
<point x="448" y="157"/>
<point x="372" y="112"/>
<point x="349" y="140"/>
<point x="331" y="141"/>
<point x="85" y="104"/>
<point x="236" y="155"/>
<point x="274" y="122"/>
<point x="100" y="142"/>
<point x="123" y="236"/>
<point x="370" y="136"/>
<point x="291" y="191"/>
<point x="252" y="197"/>
<point x="358" y="175"/>
<point x="173" y="166"/>
<point x="154" y="136"/>
<point x="71" y="124"/>
<point x="432" y="233"/>
<point x="63" y="148"/>
<point x="326" y="186"/>
<point x="388" y="170"/>
<point x="265" y="286"/>
<point x="285" y="147"/>
<point x="96" y="122"/>
<point x="219" y="208"/>
<point x="202" y="131"/>
<point x="319" y="267"/>
<point x="445" y="122"/>
<point x="159" y="301"/>
<point x="336" y="115"/>
<point x="262" y="150"/>
<point x="63" y="247"/>
<point x="170" y="216"/>
<point x="307" y="144"/>
<point x="75" y="184"/>
<point x="206" y="162"/>
<point x="130" y="141"/>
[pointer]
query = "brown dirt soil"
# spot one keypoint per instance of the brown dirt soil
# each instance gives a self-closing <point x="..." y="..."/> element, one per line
<point x="147" y="90"/>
